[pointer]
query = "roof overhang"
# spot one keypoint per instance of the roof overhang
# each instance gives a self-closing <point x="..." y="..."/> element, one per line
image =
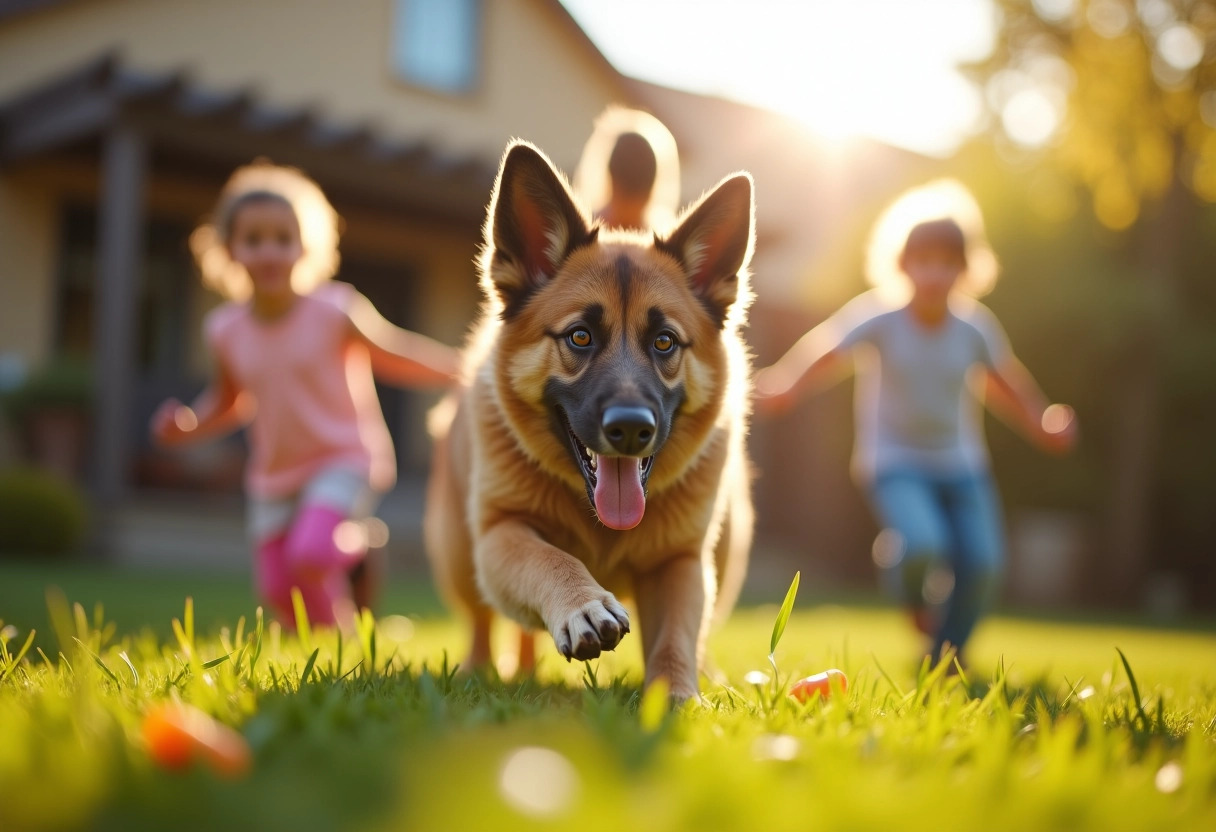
<point x="228" y="128"/>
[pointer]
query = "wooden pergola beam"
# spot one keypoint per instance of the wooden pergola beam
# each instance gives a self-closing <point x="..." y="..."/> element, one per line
<point x="54" y="127"/>
<point x="120" y="235"/>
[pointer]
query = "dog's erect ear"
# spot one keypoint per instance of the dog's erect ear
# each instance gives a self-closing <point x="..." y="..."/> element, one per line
<point x="714" y="242"/>
<point x="535" y="224"/>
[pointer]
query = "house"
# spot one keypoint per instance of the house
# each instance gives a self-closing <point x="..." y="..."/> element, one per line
<point x="120" y="119"/>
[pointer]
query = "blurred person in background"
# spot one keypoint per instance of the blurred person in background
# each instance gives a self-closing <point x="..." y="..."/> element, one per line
<point x="926" y="354"/>
<point x="294" y="355"/>
<point x="629" y="172"/>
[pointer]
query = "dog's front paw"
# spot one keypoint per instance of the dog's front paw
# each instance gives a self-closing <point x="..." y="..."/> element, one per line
<point x="684" y="692"/>
<point x="585" y="632"/>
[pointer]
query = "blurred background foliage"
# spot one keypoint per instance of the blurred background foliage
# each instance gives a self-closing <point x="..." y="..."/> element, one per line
<point x="1095" y="164"/>
<point x="1128" y="88"/>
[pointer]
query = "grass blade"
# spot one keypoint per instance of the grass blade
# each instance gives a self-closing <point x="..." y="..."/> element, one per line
<point x="303" y="630"/>
<point x="338" y="658"/>
<point x="998" y="685"/>
<point x="60" y="615"/>
<point x="127" y="660"/>
<point x="217" y="661"/>
<point x="308" y="665"/>
<point x="81" y="620"/>
<point x="787" y="607"/>
<point x="1131" y="678"/>
<point x="931" y="675"/>
<point x="898" y="690"/>
<point x="98" y="661"/>
<point x="188" y="621"/>
<point x="239" y="661"/>
<point x="365" y="624"/>
<point x="12" y="665"/>
<point x="182" y="640"/>
<point x="962" y="674"/>
<point x="654" y="705"/>
<point x="258" y="632"/>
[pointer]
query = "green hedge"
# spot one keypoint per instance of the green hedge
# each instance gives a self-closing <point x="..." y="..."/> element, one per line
<point x="61" y="382"/>
<point x="40" y="514"/>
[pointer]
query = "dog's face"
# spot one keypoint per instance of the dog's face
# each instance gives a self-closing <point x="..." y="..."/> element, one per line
<point x="610" y="357"/>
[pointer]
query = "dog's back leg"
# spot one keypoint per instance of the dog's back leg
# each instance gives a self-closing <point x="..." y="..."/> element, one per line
<point x="671" y="601"/>
<point x="734" y="545"/>
<point x="527" y="650"/>
<point x="522" y="662"/>
<point x="449" y="546"/>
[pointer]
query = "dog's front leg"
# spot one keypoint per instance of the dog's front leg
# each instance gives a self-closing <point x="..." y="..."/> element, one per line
<point x="538" y="584"/>
<point x="673" y="604"/>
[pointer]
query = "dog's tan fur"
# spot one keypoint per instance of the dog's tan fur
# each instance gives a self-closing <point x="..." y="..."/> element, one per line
<point x="508" y="523"/>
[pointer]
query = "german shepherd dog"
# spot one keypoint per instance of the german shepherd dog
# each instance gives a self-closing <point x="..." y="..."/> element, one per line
<point x="596" y="448"/>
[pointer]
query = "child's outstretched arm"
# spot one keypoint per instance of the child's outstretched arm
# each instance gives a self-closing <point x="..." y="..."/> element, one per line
<point x="221" y="408"/>
<point x="1011" y="393"/>
<point x="813" y="363"/>
<point x="398" y="355"/>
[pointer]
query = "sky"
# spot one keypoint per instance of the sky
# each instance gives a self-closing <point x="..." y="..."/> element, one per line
<point x="883" y="69"/>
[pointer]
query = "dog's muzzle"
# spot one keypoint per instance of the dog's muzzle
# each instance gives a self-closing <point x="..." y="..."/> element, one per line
<point x="630" y="429"/>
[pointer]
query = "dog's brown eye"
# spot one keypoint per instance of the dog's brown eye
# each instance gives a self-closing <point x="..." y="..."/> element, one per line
<point x="579" y="338"/>
<point x="664" y="343"/>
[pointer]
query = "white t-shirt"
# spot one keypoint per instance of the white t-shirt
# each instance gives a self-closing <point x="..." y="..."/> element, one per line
<point x="913" y="407"/>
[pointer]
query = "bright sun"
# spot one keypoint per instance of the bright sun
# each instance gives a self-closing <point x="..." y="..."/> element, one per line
<point x="878" y="68"/>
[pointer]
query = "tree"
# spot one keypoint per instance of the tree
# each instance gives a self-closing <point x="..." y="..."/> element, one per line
<point x="1119" y="97"/>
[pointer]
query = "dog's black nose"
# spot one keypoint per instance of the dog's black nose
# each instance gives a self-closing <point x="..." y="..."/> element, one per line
<point x="629" y="428"/>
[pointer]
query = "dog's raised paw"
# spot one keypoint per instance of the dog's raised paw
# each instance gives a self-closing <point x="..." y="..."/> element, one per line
<point x="591" y="629"/>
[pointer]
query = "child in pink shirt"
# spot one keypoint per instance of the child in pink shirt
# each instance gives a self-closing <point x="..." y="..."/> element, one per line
<point x="294" y="359"/>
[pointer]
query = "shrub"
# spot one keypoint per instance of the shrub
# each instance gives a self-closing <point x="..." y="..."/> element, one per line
<point x="60" y="383"/>
<point x="40" y="514"/>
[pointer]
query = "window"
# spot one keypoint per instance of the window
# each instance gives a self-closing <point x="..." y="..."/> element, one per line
<point x="162" y="302"/>
<point x="436" y="43"/>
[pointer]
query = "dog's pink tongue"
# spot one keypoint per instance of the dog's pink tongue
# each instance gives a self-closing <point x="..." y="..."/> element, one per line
<point x="619" y="500"/>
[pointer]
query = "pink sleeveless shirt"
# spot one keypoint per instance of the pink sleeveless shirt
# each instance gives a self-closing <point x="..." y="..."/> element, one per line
<point x="312" y="382"/>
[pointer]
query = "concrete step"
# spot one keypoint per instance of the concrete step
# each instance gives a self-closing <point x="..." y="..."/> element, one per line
<point x="190" y="532"/>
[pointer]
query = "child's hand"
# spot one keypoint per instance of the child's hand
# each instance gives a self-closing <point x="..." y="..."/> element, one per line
<point x="1059" y="428"/>
<point x="770" y="394"/>
<point x="171" y="422"/>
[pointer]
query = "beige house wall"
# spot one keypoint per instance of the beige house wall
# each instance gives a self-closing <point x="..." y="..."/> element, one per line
<point x="439" y="255"/>
<point x="27" y="267"/>
<point x="538" y="81"/>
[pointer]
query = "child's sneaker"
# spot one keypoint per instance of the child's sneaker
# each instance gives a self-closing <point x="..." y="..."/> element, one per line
<point x="924" y="619"/>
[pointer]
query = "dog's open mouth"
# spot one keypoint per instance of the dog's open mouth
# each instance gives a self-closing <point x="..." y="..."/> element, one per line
<point x="616" y="485"/>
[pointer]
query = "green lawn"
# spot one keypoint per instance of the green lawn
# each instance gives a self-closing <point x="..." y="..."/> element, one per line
<point x="1046" y="731"/>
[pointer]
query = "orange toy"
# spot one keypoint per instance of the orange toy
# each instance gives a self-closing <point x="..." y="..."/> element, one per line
<point x="176" y="734"/>
<point x="820" y="683"/>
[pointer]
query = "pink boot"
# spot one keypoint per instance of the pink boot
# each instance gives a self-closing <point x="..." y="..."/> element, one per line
<point x="316" y="546"/>
<point x="274" y="579"/>
<point x="326" y="600"/>
<point x="326" y="596"/>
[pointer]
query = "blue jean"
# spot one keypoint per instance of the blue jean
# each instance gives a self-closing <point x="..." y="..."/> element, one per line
<point x="943" y="520"/>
